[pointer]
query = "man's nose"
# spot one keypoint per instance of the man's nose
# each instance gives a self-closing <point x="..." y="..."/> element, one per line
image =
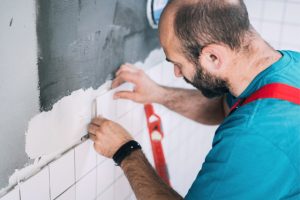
<point x="177" y="72"/>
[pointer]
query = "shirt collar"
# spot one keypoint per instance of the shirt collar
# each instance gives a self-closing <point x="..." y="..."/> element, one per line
<point x="253" y="86"/>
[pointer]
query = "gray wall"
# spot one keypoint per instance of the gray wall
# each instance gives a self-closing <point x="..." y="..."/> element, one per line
<point x="19" y="94"/>
<point x="82" y="41"/>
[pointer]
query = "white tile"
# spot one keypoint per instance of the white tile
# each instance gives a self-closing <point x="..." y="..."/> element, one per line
<point x="167" y="73"/>
<point x="274" y="44"/>
<point x="292" y="13"/>
<point x="271" y="31"/>
<point x="273" y="10"/>
<point x="105" y="175"/>
<point x="12" y="195"/>
<point x="67" y="195"/>
<point x="124" y="105"/>
<point x="126" y="122"/>
<point x="181" y="83"/>
<point x="85" y="158"/>
<point x="255" y="8"/>
<point x="107" y="194"/>
<point x="161" y="75"/>
<point x="86" y="187"/>
<point x="291" y="34"/>
<point x="294" y="47"/>
<point x="140" y="138"/>
<point x="117" y="172"/>
<point x="100" y="159"/>
<point x="122" y="188"/>
<point x="62" y="174"/>
<point x="155" y="73"/>
<point x="138" y="120"/>
<point x="132" y="197"/>
<point x="107" y="106"/>
<point x="144" y="141"/>
<point x="257" y="25"/>
<point x="37" y="187"/>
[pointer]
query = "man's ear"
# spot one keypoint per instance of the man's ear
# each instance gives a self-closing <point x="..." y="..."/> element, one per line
<point x="213" y="57"/>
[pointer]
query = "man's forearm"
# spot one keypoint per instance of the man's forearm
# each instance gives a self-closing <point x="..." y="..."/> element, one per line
<point x="145" y="182"/>
<point x="193" y="105"/>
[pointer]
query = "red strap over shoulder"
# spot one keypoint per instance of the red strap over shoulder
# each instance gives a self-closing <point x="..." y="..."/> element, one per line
<point x="275" y="91"/>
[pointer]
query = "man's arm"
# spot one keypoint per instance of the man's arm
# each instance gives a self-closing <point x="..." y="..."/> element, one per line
<point x="145" y="182"/>
<point x="193" y="105"/>
<point x="108" y="137"/>
<point x="189" y="103"/>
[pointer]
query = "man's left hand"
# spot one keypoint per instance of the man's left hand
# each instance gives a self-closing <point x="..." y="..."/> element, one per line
<point x="108" y="136"/>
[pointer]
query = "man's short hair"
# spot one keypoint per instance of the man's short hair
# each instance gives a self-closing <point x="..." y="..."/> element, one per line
<point x="211" y="22"/>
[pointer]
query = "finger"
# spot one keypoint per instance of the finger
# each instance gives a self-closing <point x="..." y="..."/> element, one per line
<point x="98" y="121"/>
<point x="117" y="82"/>
<point x="92" y="129"/>
<point x="93" y="137"/>
<point x="125" y="95"/>
<point x="123" y="77"/>
<point x="126" y="67"/>
<point x="131" y="77"/>
<point x="97" y="125"/>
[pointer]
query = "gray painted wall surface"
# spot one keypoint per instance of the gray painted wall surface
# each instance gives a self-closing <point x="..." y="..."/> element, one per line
<point x="19" y="94"/>
<point x="81" y="42"/>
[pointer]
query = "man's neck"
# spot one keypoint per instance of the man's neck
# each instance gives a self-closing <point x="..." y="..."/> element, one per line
<point x="249" y="64"/>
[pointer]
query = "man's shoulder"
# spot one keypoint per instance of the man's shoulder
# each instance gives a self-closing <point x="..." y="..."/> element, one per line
<point x="266" y="124"/>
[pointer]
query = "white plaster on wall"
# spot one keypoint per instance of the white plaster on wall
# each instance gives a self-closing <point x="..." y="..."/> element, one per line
<point x="53" y="132"/>
<point x="67" y="122"/>
<point x="64" y="125"/>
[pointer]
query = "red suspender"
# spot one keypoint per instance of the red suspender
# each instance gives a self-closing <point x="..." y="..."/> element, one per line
<point x="273" y="90"/>
<point x="156" y="136"/>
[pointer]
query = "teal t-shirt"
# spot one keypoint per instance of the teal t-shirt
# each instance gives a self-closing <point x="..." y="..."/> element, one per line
<point x="256" y="150"/>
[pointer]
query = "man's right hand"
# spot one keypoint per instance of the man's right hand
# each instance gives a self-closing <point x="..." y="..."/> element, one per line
<point x="145" y="90"/>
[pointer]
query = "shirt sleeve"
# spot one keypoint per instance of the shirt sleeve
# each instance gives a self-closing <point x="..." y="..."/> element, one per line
<point x="243" y="166"/>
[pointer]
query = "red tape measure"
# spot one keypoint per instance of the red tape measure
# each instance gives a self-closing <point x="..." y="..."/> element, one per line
<point x="156" y="136"/>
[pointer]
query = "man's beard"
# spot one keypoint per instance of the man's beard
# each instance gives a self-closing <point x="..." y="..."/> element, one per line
<point x="209" y="85"/>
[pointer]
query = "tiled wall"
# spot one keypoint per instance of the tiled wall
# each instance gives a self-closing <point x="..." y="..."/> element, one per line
<point x="277" y="21"/>
<point x="82" y="174"/>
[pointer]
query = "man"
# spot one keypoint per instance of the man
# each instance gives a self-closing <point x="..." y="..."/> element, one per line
<point x="256" y="149"/>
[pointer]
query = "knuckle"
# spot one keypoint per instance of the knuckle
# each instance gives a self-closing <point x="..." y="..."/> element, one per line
<point x="122" y="67"/>
<point x="140" y="72"/>
<point x="106" y="123"/>
<point x="97" y="132"/>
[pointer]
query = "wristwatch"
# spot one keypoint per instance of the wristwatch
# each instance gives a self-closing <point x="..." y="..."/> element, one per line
<point x="125" y="150"/>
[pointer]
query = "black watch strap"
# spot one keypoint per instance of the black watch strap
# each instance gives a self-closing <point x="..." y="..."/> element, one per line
<point x="125" y="150"/>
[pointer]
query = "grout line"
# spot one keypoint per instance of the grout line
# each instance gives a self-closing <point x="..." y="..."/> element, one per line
<point x="75" y="182"/>
<point x="19" y="192"/>
<point x="96" y="176"/>
<point x="82" y="140"/>
<point x="110" y="185"/>
<point x="73" y="185"/>
<point x="74" y="165"/>
<point x="49" y="181"/>
<point x="283" y="23"/>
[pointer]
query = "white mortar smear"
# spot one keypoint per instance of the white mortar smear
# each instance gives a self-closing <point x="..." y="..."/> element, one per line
<point x="53" y="132"/>
<point x="64" y="125"/>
